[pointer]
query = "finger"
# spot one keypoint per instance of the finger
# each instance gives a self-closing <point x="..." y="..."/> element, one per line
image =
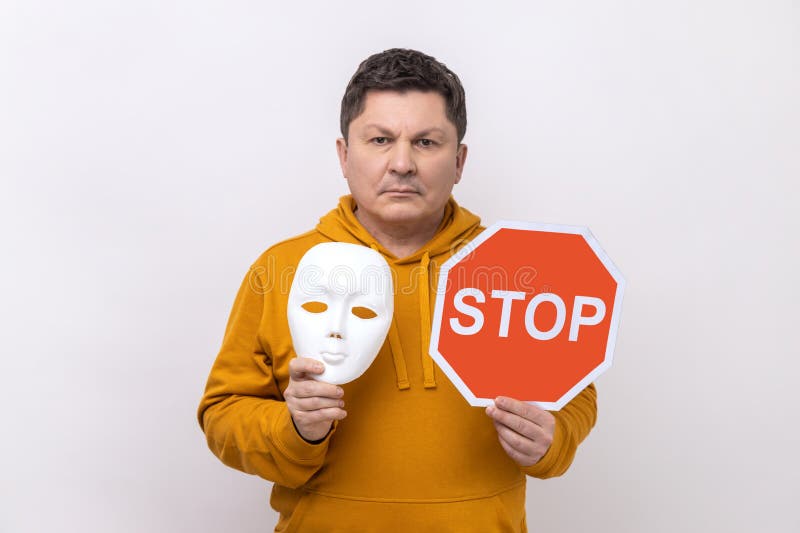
<point x="299" y="367"/>
<point x="516" y="441"/>
<point x="525" y="410"/>
<point x="316" y="403"/>
<point x="320" y="415"/>
<point x="311" y="388"/>
<point x="515" y="422"/>
<point x="520" y="458"/>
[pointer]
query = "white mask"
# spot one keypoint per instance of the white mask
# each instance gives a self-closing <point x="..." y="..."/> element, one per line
<point x="340" y="308"/>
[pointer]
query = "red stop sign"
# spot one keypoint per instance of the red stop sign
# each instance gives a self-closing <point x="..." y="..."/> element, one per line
<point x="529" y="311"/>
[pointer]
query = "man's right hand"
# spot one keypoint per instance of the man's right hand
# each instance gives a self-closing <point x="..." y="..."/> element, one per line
<point x="314" y="405"/>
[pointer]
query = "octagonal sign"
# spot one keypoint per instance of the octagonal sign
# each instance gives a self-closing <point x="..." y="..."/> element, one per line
<point x="528" y="311"/>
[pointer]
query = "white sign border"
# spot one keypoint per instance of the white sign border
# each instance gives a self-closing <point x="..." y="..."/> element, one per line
<point x="468" y="249"/>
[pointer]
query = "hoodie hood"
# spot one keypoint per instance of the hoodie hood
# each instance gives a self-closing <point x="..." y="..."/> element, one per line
<point x="458" y="227"/>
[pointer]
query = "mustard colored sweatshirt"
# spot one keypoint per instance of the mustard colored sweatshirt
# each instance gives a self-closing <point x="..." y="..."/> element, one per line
<point x="412" y="454"/>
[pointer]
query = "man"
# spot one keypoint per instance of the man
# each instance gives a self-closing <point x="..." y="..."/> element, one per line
<point x="399" y="448"/>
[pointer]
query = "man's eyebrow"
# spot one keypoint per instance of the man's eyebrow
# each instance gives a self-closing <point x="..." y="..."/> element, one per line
<point x="381" y="129"/>
<point x="385" y="131"/>
<point x="440" y="131"/>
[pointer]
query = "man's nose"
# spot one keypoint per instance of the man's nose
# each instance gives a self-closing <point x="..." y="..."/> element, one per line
<point x="401" y="160"/>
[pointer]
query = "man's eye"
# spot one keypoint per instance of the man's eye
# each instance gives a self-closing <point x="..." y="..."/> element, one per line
<point x="380" y="140"/>
<point x="425" y="142"/>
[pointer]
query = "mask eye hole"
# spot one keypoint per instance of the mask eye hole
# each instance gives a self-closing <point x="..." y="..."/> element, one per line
<point x="363" y="312"/>
<point x="315" y="307"/>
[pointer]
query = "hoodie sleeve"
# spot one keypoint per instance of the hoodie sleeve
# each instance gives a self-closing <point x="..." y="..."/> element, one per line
<point x="242" y="412"/>
<point x="573" y="423"/>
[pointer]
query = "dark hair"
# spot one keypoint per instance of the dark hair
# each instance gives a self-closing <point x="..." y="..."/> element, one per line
<point x="401" y="69"/>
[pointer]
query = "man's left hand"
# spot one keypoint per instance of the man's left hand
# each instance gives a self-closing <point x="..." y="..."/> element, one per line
<point x="524" y="430"/>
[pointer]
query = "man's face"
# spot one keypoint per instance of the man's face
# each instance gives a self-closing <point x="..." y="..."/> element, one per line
<point x="402" y="158"/>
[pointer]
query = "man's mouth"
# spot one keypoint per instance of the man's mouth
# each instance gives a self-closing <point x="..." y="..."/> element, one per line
<point x="401" y="191"/>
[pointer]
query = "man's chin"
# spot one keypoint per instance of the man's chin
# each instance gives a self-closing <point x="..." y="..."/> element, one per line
<point x="409" y="216"/>
<point x="408" y="210"/>
<point x="402" y="210"/>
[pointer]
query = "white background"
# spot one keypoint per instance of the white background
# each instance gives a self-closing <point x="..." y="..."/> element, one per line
<point x="149" y="151"/>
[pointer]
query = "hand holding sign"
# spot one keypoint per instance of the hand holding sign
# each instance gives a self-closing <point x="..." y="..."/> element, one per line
<point x="524" y="430"/>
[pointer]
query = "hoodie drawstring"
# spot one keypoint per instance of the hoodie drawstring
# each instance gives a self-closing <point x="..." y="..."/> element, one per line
<point x="425" y="323"/>
<point x="396" y="347"/>
<point x="398" y="357"/>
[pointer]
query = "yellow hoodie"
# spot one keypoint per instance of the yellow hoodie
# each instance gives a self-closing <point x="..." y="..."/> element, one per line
<point x="412" y="454"/>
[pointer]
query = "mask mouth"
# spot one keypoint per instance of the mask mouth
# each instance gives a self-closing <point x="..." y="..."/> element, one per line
<point x="333" y="358"/>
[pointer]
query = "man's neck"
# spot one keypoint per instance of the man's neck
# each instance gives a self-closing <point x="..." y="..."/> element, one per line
<point x="402" y="240"/>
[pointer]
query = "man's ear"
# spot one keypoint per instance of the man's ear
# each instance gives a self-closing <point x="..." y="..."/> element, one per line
<point x="341" y="151"/>
<point x="461" y="158"/>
